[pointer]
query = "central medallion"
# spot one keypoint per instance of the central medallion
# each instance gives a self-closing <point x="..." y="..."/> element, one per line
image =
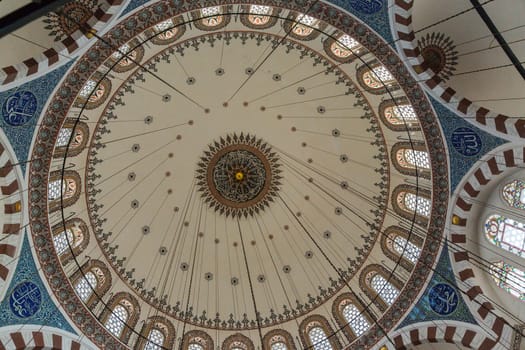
<point x="238" y="175"/>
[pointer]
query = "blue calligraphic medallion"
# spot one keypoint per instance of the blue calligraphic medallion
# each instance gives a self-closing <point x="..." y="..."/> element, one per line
<point x="466" y="141"/>
<point x="443" y="299"/>
<point x="25" y="299"/>
<point x="19" y="108"/>
<point x="367" y="6"/>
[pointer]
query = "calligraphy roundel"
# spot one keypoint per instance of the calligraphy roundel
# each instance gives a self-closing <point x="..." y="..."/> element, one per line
<point x="443" y="299"/>
<point x="25" y="299"/>
<point x="19" y="108"/>
<point x="466" y="141"/>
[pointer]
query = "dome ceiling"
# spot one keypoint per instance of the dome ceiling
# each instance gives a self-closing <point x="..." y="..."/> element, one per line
<point x="226" y="165"/>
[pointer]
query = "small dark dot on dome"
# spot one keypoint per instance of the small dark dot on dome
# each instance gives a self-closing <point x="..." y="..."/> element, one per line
<point x="303" y="144"/>
<point x="201" y="234"/>
<point x="170" y="155"/>
<point x="270" y="236"/>
<point x="225" y="104"/>
<point x="179" y="137"/>
<point x="216" y="241"/>
<point x="190" y="122"/>
<point x="279" y="117"/>
<point x="186" y="223"/>
<point x="206" y="110"/>
<point x="170" y="191"/>
<point x="168" y="173"/>
<point x="311" y="180"/>
<point x="253" y="242"/>
<point x="298" y="214"/>
<point x="307" y="198"/>
<point x="263" y="108"/>
<point x="310" y="160"/>
<point x="245" y="104"/>
<point x="294" y="128"/>
<point x="286" y="227"/>
<point x="235" y="244"/>
<point x="176" y="209"/>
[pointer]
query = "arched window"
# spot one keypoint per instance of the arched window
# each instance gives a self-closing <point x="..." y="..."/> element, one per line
<point x="197" y="340"/>
<point x="117" y="319"/>
<point x="509" y="278"/>
<point x="506" y="233"/>
<point x="303" y="27"/>
<point x="376" y="78"/>
<point x="514" y="194"/>
<point x="91" y="282"/>
<point x="317" y="334"/>
<point x="259" y="16"/>
<point x="78" y="143"/>
<point x="408" y="157"/>
<point x="157" y="333"/>
<point x="167" y="32"/>
<point x="211" y="18"/>
<point x="398" y="115"/>
<point x="278" y="339"/>
<point x="380" y="285"/>
<point x="121" y="315"/>
<point x="75" y="235"/>
<point x="68" y="187"/>
<point x="86" y="285"/>
<point x="127" y="56"/>
<point x="395" y="243"/>
<point x="350" y="316"/>
<point x="237" y="342"/>
<point x="344" y="49"/>
<point x="94" y="93"/>
<point x="408" y="200"/>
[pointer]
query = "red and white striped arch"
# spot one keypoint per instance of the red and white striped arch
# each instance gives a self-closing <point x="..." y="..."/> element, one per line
<point x="41" y="337"/>
<point x="401" y="17"/>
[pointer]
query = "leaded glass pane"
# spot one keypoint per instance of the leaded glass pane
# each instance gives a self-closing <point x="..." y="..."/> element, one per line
<point x="155" y="340"/>
<point x="162" y="26"/>
<point x="260" y="9"/>
<point x="121" y="51"/>
<point x="514" y="194"/>
<point x="378" y="77"/>
<point x="318" y="339"/>
<point x="417" y="158"/>
<point x="279" y="346"/>
<point x="509" y="278"/>
<point x="116" y="320"/>
<point x="307" y="20"/>
<point x="385" y="289"/>
<point x="420" y="204"/>
<point x="398" y="115"/>
<point x="85" y="286"/>
<point x="63" y="137"/>
<point x="355" y="319"/>
<point x="53" y="190"/>
<point x="195" y="346"/>
<point x="408" y="249"/>
<point x="344" y="46"/>
<point x="88" y="87"/>
<point x="61" y="241"/>
<point x="210" y="11"/>
<point x="506" y="233"/>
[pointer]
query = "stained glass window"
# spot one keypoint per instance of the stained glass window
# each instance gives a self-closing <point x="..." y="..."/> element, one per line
<point x="506" y="233"/>
<point x="410" y="158"/>
<point x="258" y="14"/>
<point x="408" y="249"/>
<point x="344" y="46"/>
<point x="319" y="339"/>
<point x="61" y="241"/>
<point x="195" y="346"/>
<point x="514" y="194"/>
<point x="385" y="289"/>
<point x="355" y="319"/>
<point x="212" y="16"/>
<point x="377" y="77"/>
<point x="260" y="9"/>
<point x="86" y="285"/>
<point x="155" y="340"/>
<point x="398" y="115"/>
<point x="420" y="205"/>
<point x="53" y="191"/>
<point x="509" y="278"/>
<point x="279" y="346"/>
<point x="116" y="320"/>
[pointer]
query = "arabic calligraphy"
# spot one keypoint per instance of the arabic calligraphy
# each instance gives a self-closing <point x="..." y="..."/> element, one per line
<point x="443" y="299"/>
<point x="25" y="299"/>
<point x="466" y="141"/>
<point x="19" y="108"/>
